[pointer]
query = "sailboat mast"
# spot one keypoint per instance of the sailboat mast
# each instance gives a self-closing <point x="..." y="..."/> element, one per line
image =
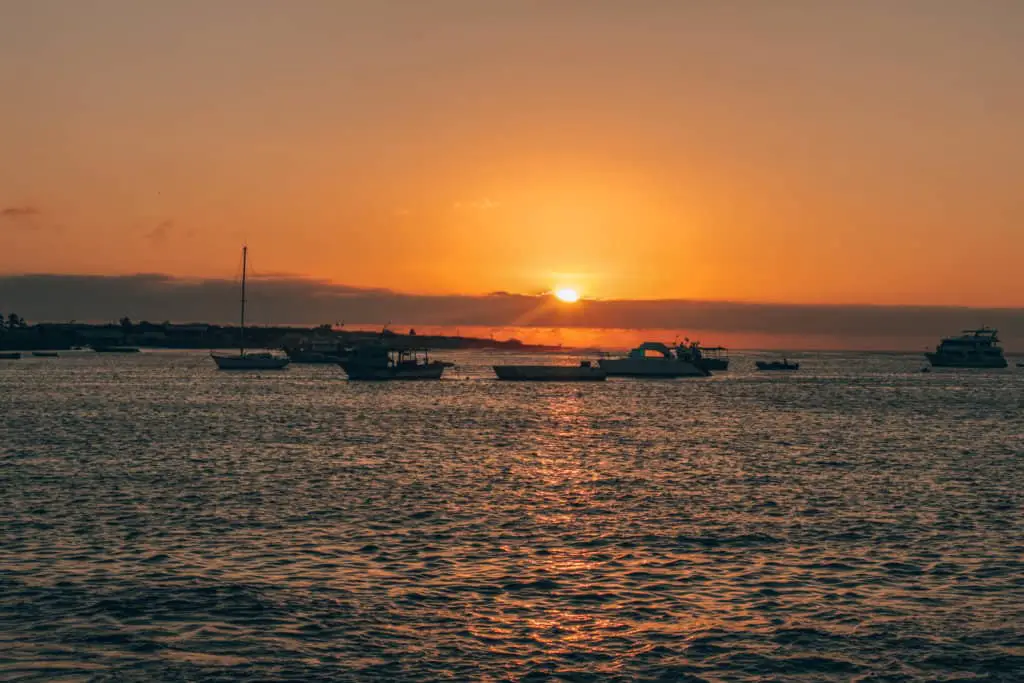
<point x="241" y="329"/>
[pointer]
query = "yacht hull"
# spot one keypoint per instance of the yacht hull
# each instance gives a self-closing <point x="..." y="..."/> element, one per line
<point x="549" y="373"/>
<point x="650" y="367"/>
<point x="942" y="361"/>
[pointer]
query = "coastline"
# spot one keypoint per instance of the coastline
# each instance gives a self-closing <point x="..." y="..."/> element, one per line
<point x="64" y="336"/>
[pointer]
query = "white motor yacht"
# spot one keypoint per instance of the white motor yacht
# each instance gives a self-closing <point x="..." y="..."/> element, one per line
<point x="652" y="359"/>
<point x="972" y="349"/>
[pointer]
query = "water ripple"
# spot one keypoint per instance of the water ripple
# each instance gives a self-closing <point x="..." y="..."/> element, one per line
<point x="857" y="521"/>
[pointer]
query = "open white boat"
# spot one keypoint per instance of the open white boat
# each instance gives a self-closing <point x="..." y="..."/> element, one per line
<point x="584" y="372"/>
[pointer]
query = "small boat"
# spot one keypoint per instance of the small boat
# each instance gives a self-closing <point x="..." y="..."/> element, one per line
<point x="318" y="352"/>
<point x="664" y="363"/>
<point x="972" y="349"/>
<point x="376" y="362"/>
<point x="714" y="358"/>
<point x="249" y="361"/>
<point x="708" y="358"/>
<point x="245" y="360"/>
<point x="783" y="364"/>
<point x="584" y="372"/>
<point x="103" y="348"/>
<point x="9" y="355"/>
<point x="45" y="354"/>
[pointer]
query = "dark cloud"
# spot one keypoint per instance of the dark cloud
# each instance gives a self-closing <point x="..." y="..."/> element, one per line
<point x="290" y="300"/>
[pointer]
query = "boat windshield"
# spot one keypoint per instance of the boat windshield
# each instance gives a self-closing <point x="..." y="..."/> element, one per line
<point x="408" y="357"/>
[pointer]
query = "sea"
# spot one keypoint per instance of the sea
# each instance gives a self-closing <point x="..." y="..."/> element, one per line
<point x="856" y="520"/>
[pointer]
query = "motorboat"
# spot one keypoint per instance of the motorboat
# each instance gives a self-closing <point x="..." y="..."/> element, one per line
<point x="972" y="349"/>
<point x="783" y="364"/>
<point x="244" y="360"/>
<point x="584" y="372"/>
<point x="714" y="357"/>
<point x="9" y="355"/>
<point x="652" y="359"/>
<point x="318" y="351"/>
<point x="378" y="362"/>
<point x="706" y="357"/>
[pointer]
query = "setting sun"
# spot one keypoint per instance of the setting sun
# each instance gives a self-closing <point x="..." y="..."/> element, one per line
<point x="569" y="296"/>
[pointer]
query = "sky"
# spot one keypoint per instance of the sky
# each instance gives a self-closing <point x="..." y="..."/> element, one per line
<point x="787" y="152"/>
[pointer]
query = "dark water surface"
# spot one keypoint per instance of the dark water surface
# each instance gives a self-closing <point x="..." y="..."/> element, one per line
<point x="857" y="520"/>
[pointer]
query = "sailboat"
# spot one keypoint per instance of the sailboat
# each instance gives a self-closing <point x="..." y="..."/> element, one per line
<point x="243" y="360"/>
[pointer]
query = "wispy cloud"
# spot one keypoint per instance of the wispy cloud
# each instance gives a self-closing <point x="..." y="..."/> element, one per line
<point x="16" y="212"/>
<point x="26" y="217"/>
<point x="166" y="230"/>
<point x="161" y="232"/>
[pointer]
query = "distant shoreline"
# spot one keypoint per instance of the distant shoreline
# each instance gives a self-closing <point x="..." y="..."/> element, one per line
<point x="205" y="336"/>
<point x="64" y="336"/>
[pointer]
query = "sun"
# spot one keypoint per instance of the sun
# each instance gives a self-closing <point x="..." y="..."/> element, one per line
<point x="569" y="296"/>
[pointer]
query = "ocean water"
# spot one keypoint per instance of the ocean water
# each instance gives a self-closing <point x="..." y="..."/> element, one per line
<point x="857" y="520"/>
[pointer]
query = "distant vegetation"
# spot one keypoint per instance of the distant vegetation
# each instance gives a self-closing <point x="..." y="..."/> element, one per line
<point x="17" y="334"/>
<point x="12" y="322"/>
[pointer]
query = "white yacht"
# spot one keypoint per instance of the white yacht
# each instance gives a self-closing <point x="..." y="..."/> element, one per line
<point x="652" y="359"/>
<point x="972" y="349"/>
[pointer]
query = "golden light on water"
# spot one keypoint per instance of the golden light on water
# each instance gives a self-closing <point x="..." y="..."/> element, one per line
<point x="568" y="295"/>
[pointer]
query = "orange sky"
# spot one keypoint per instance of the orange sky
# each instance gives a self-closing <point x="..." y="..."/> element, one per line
<point x="797" y="151"/>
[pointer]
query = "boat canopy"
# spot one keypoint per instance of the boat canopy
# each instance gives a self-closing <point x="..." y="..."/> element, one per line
<point x="657" y="347"/>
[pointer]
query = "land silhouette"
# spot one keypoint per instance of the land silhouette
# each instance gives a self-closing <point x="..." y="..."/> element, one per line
<point x="279" y="302"/>
<point x="17" y="334"/>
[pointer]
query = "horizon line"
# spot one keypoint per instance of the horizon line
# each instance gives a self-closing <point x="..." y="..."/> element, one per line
<point x="376" y="289"/>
